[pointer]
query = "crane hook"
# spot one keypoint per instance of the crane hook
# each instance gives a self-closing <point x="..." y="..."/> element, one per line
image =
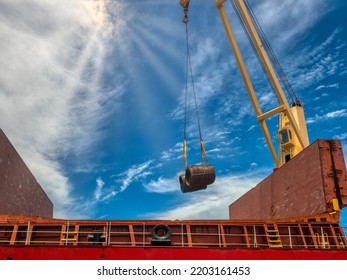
<point x="185" y="4"/>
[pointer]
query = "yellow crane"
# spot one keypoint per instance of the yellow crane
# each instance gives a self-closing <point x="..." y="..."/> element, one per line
<point x="292" y="134"/>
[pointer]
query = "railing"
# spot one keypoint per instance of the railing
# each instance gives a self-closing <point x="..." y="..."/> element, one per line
<point x="187" y="234"/>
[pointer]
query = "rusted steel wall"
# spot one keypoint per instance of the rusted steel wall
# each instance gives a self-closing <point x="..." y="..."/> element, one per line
<point x="304" y="186"/>
<point x="339" y="166"/>
<point x="20" y="193"/>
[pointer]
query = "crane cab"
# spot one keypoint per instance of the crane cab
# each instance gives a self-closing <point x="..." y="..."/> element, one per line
<point x="289" y="145"/>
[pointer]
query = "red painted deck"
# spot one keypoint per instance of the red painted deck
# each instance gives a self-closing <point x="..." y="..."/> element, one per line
<point x="163" y="253"/>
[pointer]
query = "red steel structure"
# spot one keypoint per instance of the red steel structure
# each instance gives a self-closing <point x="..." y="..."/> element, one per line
<point x="35" y="238"/>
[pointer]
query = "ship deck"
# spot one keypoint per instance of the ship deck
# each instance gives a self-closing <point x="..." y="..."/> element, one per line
<point x="35" y="238"/>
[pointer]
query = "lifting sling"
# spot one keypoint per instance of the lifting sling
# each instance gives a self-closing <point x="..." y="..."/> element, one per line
<point x="196" y="177"/>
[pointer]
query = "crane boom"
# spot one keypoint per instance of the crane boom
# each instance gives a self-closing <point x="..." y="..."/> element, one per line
<point x="292" y="133"/>
<point x="291" y="118"/>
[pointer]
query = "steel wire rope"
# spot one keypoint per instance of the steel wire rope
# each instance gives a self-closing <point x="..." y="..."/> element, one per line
<point x="184" y="148"/>
<point x="189" y="70"/>
<point x="248" y="36"/>
<point x="273" y="57"/>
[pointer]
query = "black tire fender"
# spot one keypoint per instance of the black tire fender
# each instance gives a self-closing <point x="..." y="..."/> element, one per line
<point x="161" y="232"/>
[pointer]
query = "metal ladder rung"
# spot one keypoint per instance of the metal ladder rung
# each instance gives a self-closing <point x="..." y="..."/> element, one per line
<point x="68" y="239"/>
<point x="275" y="246"/>
<point x="275" y="241"/>
<point x="69" y="236"/>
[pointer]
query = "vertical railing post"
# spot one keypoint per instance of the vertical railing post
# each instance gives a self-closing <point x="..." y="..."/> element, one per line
<point x="182" y="236"/>
<point x="27" y="239"/>
<point x="255" y="237"/>
<point x="290" y="238"/>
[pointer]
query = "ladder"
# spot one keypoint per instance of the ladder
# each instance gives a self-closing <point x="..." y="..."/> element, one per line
<point x="69" y="234"/>
<point x="273" y="236"/>
<point x="340" y="241"/>
<point x="323" y="240"/>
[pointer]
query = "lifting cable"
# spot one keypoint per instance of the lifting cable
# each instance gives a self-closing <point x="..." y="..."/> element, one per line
<point x="203" y="155"/>
<point x="196" y="177"/>
<point x="274" y="60"/>
<point x="273" y="57"/>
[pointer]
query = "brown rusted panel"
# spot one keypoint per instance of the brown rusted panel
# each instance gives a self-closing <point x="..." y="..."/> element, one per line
<point x="20" y="193"/>
<point x="304" y="186"/>
<point x="340" y="171"/>
<point x="327" y="173"/>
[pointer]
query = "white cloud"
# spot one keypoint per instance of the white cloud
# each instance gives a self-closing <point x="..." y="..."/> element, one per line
<point x="327" y="86"/>
<point x="251" y="127"/>
<point x="51" y="101"/>
<point x="208" y="77"/>
<point x="330" y="115"/>
<point x="50" y="175"/>
<point x="268" y="100"/>
<point x="86" y="206"/>
<point x="98" y="191"/>
<point x="162" y="185"/>
<point x="298" y="15"/>
<point x="172" y="153"/>
<point x="337" y="114"/>
<point x="133" y="174"/>
<point x="311" y="65"/>
<point x="342" y="136"/>
<point x="215" y="150"/>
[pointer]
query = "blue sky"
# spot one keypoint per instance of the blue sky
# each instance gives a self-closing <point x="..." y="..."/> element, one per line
<point x="92" y="98"/>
